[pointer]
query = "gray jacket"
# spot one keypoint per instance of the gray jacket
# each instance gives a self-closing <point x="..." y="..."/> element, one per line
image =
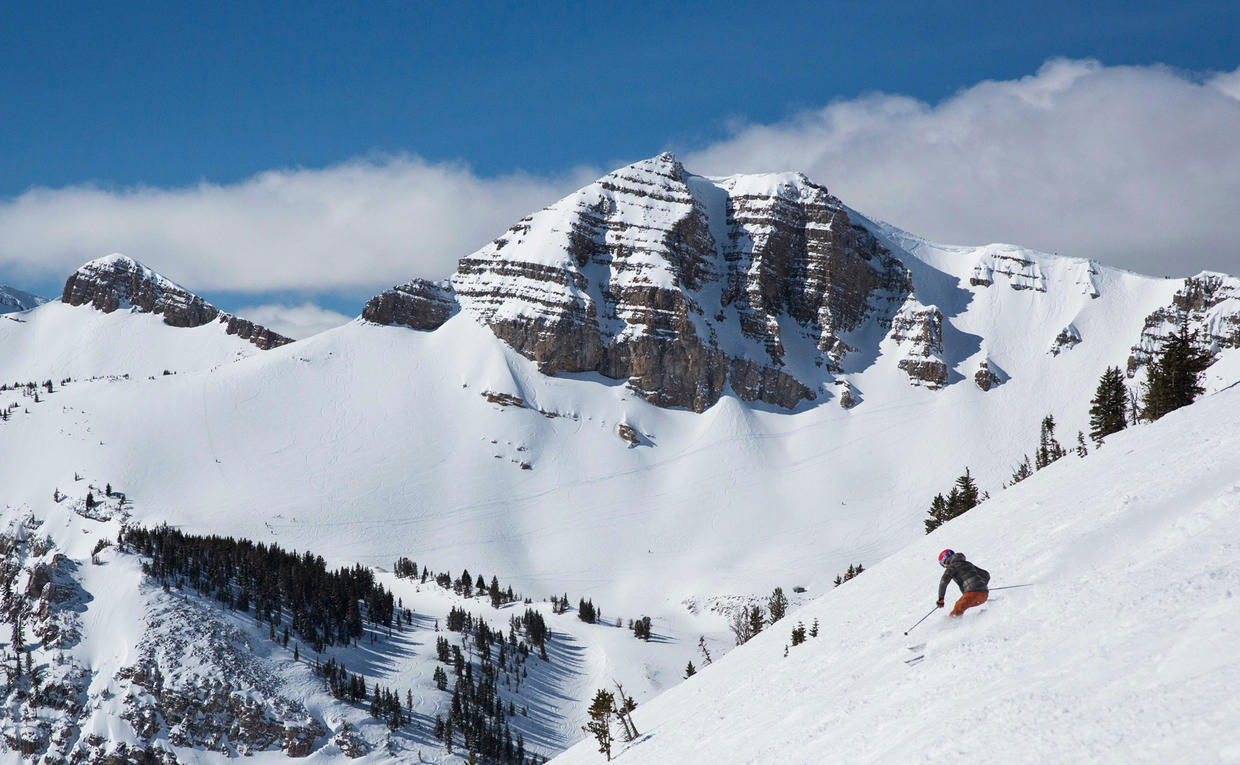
<point x="970" y="578"/>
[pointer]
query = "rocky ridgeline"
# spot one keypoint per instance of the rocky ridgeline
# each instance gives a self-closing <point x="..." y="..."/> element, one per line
<point x="418" y="304"/>
<point x="117" y="282"/>
<point x="680" y="284"/>
<point x="1208" y="303"/>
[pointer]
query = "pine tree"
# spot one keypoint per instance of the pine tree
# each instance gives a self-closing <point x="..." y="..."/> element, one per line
<point x="756" y="619"/>
<point x="1081" y="449"/>
<point x="968" y="492"/>
<point x="798" y="634"/>
<point x="1106" y="410"/>
<point x="599" y="726"/>
<point x="1173" y="378"/>
<point x="777" y="604"/>
<point x="938" y="515"/>
<point x="1049" y="450"/>
<point x="963" y="497"/>
<point x="690" y="670"/>
<point x="1021" y="471"/>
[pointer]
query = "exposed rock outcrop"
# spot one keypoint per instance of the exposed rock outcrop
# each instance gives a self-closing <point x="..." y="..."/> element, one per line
<point x="1019" y="272"/>
<point x="985" y="377"/>
<point x="1208" y="304"/>
<point x="232" y="706"/>
<point x="918" y="330"/>
<point x="117" y="281"/>
<point x="627" y="433"/>
<point x="849" y="396"/>
<point x="682" y="284"/>
<point x="418" y="304"/>
<point x="1067" y="339"/>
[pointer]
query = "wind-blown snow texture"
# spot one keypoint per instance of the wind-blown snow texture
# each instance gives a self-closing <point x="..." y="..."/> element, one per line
<point x="1122" y="650"/>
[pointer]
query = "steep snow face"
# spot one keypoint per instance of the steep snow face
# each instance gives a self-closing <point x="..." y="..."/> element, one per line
<point x="1121" y="649"/>
<point x="13" y="300"/>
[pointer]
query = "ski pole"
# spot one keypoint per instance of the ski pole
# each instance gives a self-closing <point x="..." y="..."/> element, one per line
<point x="1012" y="586"/>
<point x="922" y="619"/>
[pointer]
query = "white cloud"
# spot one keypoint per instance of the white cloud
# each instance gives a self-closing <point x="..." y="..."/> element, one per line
<point x="295" y="321"/>
<point x="1136" y="166"/>
<point x="361" y="223"/>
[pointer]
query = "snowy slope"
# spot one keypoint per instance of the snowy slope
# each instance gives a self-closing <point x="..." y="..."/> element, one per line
<point x="13" y="300"/>
<point x="55" y="341"/>
<point x="119" y="317"/>
<point x="111" y="632"/>
<point x="366" y="443"/>
<point x="1122" y="650"/>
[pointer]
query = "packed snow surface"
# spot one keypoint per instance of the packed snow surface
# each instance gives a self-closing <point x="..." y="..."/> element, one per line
<point x="1122" y="649"/>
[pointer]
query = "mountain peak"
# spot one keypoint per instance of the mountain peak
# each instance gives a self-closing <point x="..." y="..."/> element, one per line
<point x="118" y="281"/>
<point x="685" y="285"/>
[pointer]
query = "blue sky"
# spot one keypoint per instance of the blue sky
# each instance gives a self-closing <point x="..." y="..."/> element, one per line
<point x="166" y="96"/>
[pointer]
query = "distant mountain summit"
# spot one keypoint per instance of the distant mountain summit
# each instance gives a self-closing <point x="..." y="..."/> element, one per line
<point x="771" y="288"/>
<point x="681" y="284"/>
<point x="13" y="300"/>
<point x="117" y="281"/>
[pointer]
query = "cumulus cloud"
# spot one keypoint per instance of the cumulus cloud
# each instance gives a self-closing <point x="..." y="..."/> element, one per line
<point x="1134" y="166"/>
<point x="1137" y="167"/>
<point x="295" y="321"/>
<point x="361" y="223"/>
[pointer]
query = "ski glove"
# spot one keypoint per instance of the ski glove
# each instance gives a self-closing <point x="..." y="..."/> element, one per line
<point x="939" y="604"/>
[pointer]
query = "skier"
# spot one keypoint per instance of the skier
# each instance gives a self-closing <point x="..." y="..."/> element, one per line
<point x="971" y="580"/>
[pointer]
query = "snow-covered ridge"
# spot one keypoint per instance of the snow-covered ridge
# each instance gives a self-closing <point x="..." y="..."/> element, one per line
<point x="767" y="287"/>
<point x="117" y="281"/>
<point x="13" y="300"/>
<point x="684" y="285"/>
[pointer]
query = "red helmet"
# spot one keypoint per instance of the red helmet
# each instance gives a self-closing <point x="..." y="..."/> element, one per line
<point x="943" y="556"/>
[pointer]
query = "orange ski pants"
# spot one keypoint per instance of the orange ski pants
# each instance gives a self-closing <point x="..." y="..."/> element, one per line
<point x="967" y="601"/>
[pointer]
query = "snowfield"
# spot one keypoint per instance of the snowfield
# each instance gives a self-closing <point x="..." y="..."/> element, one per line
<point x="1123" y="649"/>
<point x="366" y="443"/>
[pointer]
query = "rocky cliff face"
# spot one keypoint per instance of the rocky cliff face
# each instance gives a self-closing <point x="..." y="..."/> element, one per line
<point x="1208" y="304"/>
<point x="681" y="284"/>
<point x="418" y="304"/>
<point x="918" y="331"/>
<point x="117" y="282"/>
